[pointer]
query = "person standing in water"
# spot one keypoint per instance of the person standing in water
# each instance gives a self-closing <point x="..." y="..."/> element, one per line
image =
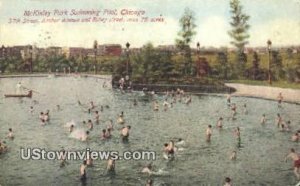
<point x="280" y="99"/>
<point x="237" y="134"/>
<point x="228" y="98"/>
<point x="219" y="123"/>
<point x="263" y="119"/>
<point x="208" y="133"/>
<point x="278" y="120"/>
<point x="295" y="157"/>
<point x="97" y="117"/>
<point x="90" y="125"/>
<point x="227" y="181"/>
<point x="83" y="171"/>
<point x="111" y="165"/>
<point x="19" y="88"/>
<point x="125" y="133"/>
<point x="10" y="134"/>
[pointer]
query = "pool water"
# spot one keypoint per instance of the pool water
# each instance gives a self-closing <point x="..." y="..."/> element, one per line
<point x="260" y="159"/>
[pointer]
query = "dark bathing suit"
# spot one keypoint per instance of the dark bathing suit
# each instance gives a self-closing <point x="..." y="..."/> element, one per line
<point x="83" y="177"/>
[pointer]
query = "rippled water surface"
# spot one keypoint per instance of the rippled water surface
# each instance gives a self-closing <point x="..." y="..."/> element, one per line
<point x="259" y="160"/>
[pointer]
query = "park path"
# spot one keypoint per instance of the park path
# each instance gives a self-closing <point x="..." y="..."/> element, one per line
<point x="289" y="95"/>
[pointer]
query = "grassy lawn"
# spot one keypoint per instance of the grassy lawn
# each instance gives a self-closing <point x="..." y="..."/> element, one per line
<point x="281" y="84"/>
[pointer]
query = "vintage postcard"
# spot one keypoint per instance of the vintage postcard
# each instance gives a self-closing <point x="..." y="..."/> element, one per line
<point x="150" y="92"/>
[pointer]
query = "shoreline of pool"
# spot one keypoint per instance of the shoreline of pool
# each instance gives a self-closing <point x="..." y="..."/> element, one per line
<point x="265" y="92"/>
<point x="57" y="75"/>
<point x="240" y="90"/>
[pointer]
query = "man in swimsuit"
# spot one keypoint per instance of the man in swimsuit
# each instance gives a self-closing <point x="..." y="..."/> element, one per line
<point x="125" y="133"/>
<point x="208" y="133"/>
<point x="279" y="98"/>
<point x="219" y="123"/>
<point x="278" y="120"/>
<point x="10" y="134"/>
<point x="295" y="157"/>
<point x="83" y="171"/>
<point x="263" y="119"/>
<point x="111" y="164"/>
<point x="227" y="181"/>
<point x="97" y="117"/>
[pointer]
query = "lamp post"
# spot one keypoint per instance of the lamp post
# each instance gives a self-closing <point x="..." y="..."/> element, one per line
<point x="31" y="63"/>
<point x="127" y="53"/>
<point x="95" y="54"/>
<point x="269" y="43"/>
<point x="198" y="56"/>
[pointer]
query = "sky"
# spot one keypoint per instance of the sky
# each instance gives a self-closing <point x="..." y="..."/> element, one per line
<point x="277" y="20"/>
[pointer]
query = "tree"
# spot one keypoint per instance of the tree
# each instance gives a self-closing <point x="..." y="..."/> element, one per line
<point x="240" y="26"/>
<point x="186" y="34"/>
<point x="239" y="33"/>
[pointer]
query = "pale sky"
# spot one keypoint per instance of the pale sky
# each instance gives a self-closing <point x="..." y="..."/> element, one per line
<point x="278" y="20"/>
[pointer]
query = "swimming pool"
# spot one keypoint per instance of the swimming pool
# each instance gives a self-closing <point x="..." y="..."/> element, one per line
<point x="260" y="159"/>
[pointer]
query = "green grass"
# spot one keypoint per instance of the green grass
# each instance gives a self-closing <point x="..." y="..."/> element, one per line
<point x="281" y="84"/>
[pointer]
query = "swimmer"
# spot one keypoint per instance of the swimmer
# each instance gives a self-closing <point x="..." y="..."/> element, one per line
<point x="125" y="133"/>
<point x="83" y="171"/>
<point x="155" y="106"/>
<point x="31" y="110"/>
<point x="101" y="108"/>
<point x="208" y="133"/>
<point x="103" y="135"/>
<point x="58" y="107"/>
<point x="46" y="116"/>
<point x="97" y="117"/>
<point x="166" y="105"/>
<point x="149" y="182"/>
<point x="278" y="120"/>
<point x="71" y="129"/>
<point x="43" y="122"/>
<point x="79" y="103"/>
<point x="168" y="152"/>
<point x="147" y="169"/>
<point x="295" y="157"/>
<point x="85" y="136"/>
<point x="287" y="126"/>
<point x="233" y="108"/>
<point x="237" y="134"/>
<point x="280" y="99"/>
<point x="92" y="106"/>
<point x="188" y="100"/>
<point x="227" y="181"/>
<point x="245" y="109"/>
<point x="120" y="119"/>
<point x="10" y="134"/>
<point x="90" y="124"/>
<point x="263" y="119"/>
<point x="41" y="116"/>
<point x="295" y="137"/>
<point x="233" y="155"/>
<point x="228" y="98"/>
<point x="111" y="165"/>
<point x="108" y="133"/>
<point x="219" y="123"/>
<point x="3" y="148"/>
